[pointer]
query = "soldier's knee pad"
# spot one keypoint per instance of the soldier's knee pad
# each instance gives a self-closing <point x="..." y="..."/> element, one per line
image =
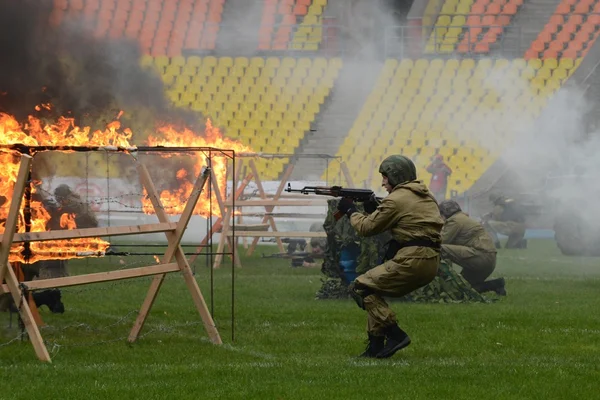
<point x="358" y="292"/>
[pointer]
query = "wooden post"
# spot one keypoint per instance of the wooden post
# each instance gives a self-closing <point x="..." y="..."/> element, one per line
<point x="174" y="250"/>
<point x="263" y="195"/>
<point x="269" y="209"/>
<point x="346" y="174"/>
<point x="6" y="271"/>
<point x="218" y="224"/>
<point x="227" y="212"/>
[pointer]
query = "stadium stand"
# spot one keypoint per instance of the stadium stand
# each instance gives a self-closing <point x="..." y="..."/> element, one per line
<point x="267" y="103"/>
<point x="570" y="32"/>
<point x="163" y="27"/>
<point x="470" y="26"/>
<point x="279" y="16"/>
<point x="466" y="110"/>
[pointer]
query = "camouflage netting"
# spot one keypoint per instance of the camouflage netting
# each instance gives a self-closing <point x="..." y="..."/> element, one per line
<point x="448" y="287"/>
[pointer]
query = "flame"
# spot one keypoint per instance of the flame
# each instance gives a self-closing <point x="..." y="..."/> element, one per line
<point x="64" y="132"/>
<point x="67" y="221"/>
<point x="174" y="200"/>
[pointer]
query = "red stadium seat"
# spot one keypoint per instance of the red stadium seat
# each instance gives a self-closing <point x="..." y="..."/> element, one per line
<point x="564" y="37"/>
<point x="488" y="20"/>
<point x="556" y="46"/>
<point x="563" y="8"/>
<point x="300" y="9"/>
<point x="569" y="53"/>
<point x="575" y="19"/>
<point x="531" y="54"/>
<point x="478" y="8"/>
<point x="582" y="8"/>
<point x="510" y="9"/>
<point x="551" y="27"/>
<point x="474" y="20"/>
<point x="493" y="9"/>
<point x="538" y="45"/>
<point x="503" y="20"/>
<point x="545" y="36"/>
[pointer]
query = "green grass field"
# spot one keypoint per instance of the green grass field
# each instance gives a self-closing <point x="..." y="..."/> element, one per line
<point x="540" y="342"/>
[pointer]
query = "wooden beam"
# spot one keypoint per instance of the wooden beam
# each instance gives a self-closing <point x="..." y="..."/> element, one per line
<point x="10" y="226"/>
<point x="174" y="249"/>
<point x="258" y="234"/>
<point x="6" y="271"/>
<point x="93" y="232"/>
<point x="97" y="277"/>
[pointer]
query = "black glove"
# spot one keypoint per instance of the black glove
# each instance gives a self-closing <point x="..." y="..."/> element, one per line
<point x="347" y="206"/>
<point x="371" y="204"/>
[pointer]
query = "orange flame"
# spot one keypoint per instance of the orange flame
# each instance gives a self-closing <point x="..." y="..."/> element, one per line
<point x="67" y="221"/>
<point x="174" y="200"/>
<point x="64" y="132"/>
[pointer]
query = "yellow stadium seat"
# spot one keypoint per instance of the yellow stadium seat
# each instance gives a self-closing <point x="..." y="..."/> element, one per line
<point x="161" y="61"/>
<point x="566" y="63"/>
<point x="534" y="63"/>
<point x="550" y="63"/>
<point x="209" y="61"/>
<point x="194" y="61"/>
<point x="178" y="60"/>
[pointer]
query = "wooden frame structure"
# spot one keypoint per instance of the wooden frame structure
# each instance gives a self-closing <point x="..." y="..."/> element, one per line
<point x="173" y="260"/>
<point x="233" y="205"/>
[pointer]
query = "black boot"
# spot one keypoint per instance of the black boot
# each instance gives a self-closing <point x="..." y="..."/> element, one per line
<point x="494" y="285"/>
<point x="374" y="346"/>
<point x="498" y="286"/>
<point x="397" y="339"/>
<point x="50" y="298"/>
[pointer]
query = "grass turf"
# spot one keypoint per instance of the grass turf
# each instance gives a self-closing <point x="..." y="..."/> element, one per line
<point x="542" y="341"/>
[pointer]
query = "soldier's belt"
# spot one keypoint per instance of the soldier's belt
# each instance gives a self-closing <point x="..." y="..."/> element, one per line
<point x="394" y="246"/>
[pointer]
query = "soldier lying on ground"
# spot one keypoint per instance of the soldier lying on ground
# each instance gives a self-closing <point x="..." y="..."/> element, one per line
<point x="317" y="246"/>
<point x="412" y="216"/>
<point x="466" y="243"/>
<point x="507" y="218"/>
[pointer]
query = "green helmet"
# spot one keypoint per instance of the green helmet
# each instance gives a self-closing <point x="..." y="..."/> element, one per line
<point x="398" y="169"/>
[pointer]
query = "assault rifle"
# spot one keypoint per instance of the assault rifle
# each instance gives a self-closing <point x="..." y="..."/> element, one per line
<point x="360" y="195"/>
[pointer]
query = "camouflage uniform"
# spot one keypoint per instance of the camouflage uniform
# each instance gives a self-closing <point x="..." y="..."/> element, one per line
<point x="317" y="242"/>
<point x="411" y="214"/>
<point x="506" y="219"/>
<point x="466" y="243"/>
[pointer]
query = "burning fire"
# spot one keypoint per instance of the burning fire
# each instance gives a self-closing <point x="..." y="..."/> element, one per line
<point x="174" y="200"/>
<point x="64" y="132"/>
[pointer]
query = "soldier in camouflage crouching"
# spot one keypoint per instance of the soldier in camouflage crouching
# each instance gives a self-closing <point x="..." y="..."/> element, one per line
<point x="465" y="242"/>
<point x="412" y="216"/>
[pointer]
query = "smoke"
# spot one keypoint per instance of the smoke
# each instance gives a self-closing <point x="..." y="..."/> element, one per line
<point x="82" y="76"/>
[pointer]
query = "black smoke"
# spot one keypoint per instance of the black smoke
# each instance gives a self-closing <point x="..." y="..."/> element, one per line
<point x="84" y="77"/>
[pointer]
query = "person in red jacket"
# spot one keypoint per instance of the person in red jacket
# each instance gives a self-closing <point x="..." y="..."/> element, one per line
<point x="439" y="177"/>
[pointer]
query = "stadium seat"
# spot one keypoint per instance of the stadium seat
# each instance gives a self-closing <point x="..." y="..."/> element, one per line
<point x="448" y="107"/>
<point x="237" y="95"/>
<point x="474" y="32"/>
<point x="306" y="15"/>
<point x="162" y="27"/>
<point x="569" y="33"/>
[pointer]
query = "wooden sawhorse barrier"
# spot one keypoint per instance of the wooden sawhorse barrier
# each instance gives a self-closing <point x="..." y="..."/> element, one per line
<point x="173" y="231"/>
<point x="269" y="202"/>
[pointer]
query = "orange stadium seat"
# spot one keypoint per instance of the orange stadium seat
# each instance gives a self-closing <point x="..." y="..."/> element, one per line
<point x="570" y="32"/>
<point x="486" y="23"/>
<point x="279" y="16"/>
<point x="161" y="26"/>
